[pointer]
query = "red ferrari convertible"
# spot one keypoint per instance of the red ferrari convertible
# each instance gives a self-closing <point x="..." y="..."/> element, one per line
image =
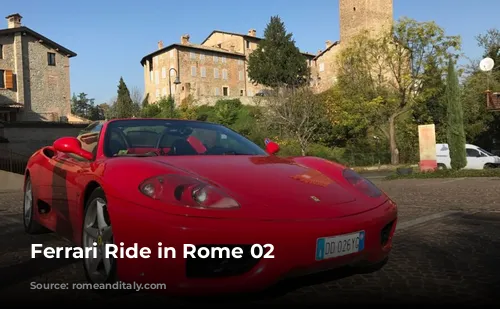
<point x="187" y="186"/>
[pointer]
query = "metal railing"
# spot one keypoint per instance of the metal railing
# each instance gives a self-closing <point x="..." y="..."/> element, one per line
<point x="13" y="162"/>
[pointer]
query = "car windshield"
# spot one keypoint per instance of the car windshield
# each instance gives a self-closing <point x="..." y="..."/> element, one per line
<point x="153" y="137"/>
<point x="486" y="152"/>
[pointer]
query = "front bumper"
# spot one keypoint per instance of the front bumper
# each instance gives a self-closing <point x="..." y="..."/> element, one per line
<point x="294" y="244"/>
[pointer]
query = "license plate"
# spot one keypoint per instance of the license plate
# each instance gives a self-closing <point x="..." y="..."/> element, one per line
<point x="340" y="245"/>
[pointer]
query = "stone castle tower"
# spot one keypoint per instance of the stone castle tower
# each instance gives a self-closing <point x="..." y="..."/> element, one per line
<point x="359" y="15"/>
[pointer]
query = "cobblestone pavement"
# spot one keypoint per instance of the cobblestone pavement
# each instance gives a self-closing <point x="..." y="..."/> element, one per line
<point x="452" y="259"/>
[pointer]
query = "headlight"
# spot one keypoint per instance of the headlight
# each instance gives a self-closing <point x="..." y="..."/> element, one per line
<point x="361" y="183"/>
<point x="186" y="191"/>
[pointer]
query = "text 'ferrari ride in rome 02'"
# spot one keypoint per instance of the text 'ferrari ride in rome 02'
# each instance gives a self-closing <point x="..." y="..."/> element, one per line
<point x="172" y="183"/>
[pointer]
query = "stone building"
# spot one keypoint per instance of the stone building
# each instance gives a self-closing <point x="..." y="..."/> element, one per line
<point x="355" y="16"/>
<point x="34" y="75"/>
<point x="218" y="66"/>
<point x="215" y="68"/>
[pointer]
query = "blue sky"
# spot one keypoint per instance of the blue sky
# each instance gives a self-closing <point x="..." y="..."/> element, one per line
<point x="110" y="37"/>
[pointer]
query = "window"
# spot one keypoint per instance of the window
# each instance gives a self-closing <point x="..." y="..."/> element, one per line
<point x="172" y="53"/>
<point x="157" y="93"/>
<point x="6" y="79"/>
<point x="193" y="71"/>
<point x="240" y="62"/>
<point x="225" y="91"/>
<point x="163" y="72"/>
<point x="157" y="77"/>
<point x="250" y="93"/>
<point x="472" y="153"/>
<point x="89" y="138"/>
<point x="192" y="55"/>
<point x="1" y="51"/>
<point x="248" y="44"/>
<point x="217" y="91"/>
<point x="216" y="73"/>
<point x="136" y="134"/>
<point x="223" y="59"/>
<point x="321" y="67"/>
<point x="203" y="72"/>
<point x="242" y="92"/>
<point x="155" y="60"/>
<point x="151" y="76"/>
<point x="224" y="74"/>
<point x="172" y="72"/>
<point x="240" y="75"/>
<point x="51" y="59"/>
<point x="202" y="57"/>
<point x="164" y="91"/>
<point x="486" y="152"/>
<point x="216" y="59"/>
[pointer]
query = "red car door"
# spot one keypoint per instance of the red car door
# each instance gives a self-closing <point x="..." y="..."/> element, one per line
<point x="66" y="192"/>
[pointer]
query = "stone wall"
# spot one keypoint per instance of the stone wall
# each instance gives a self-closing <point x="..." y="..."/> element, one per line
<point x="26" y="137"/>
<point x="43" y="89"/>
<point x="211" y="100"/>
<point x="49" y="86"/>
<point x="356" y="16"/>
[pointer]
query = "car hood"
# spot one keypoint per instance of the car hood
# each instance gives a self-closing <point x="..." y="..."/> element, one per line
<point x="269" y="187"/>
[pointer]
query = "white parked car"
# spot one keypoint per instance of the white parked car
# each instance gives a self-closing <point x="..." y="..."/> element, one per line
<point x="477" y="158"/>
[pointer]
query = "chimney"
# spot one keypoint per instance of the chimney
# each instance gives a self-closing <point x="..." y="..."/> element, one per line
<point x="14" y="21"/>
<point x="328" y="43"/>
<point x="252" y="32"/>
<point x="185" y="39"/>
<point x="160" y="45"/>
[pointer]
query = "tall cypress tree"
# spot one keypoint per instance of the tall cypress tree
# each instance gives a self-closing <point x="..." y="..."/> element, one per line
<point x="456" y="133"/>
<point x="124" y="106"/>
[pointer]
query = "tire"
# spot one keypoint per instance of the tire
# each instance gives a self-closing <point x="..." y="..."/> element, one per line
<point x="30" y="225"/>
<point x="489" y="165"/>
<point x="93" y="230"/>
<point x="441" y="166"/>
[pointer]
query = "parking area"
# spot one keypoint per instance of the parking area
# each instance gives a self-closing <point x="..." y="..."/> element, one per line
<point x="447" y="249"/>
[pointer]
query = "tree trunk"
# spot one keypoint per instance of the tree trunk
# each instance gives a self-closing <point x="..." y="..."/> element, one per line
<point x="303" y="151"/>
<point x="392" y="141"/>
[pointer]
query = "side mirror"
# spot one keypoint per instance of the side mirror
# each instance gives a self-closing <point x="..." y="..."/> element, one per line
<point x="271" y="147"/>
<point x="72" y="145"/>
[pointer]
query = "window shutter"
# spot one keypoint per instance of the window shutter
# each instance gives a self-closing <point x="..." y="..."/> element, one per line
<point x="9" y="79"/>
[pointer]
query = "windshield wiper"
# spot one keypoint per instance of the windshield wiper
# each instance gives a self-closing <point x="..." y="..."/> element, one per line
<point x="147" y="154"/>
<point x="234" y="153"/>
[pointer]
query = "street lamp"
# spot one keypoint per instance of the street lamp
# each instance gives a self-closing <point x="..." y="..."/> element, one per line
<point x="177" y="81"/>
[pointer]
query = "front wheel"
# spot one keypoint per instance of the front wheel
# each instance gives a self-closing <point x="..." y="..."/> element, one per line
<point x="97" y="233"/>
<point x="441" y="166"/>
<point x="30" y="225"/>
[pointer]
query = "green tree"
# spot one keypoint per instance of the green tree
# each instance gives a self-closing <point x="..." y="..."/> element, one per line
<point x="145" y="101"/>
<point x="167" y="107"/>
<point x="389" y="68"/>
<point x="124" y="107"/>
<point x="490" y="42"/>
<point x="226" y="111"/>
<point x="82" y="106"/>
<point x="150" y="111"/>
<point x="277" y="62"/>
<point x="297" y="114"/>
<point x="456" y="133"/>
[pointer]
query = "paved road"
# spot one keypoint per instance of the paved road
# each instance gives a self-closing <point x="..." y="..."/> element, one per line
<point x="438" y="256"/>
